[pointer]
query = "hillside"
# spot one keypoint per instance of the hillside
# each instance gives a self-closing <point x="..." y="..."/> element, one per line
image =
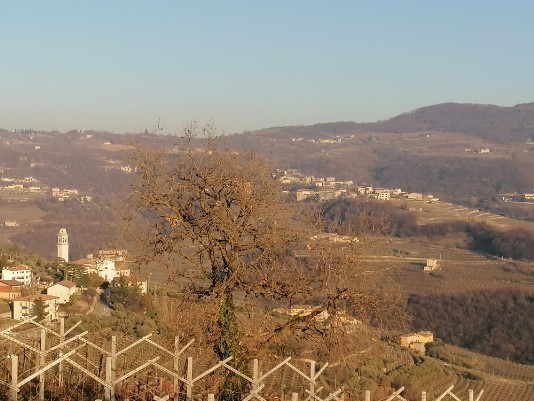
<point x="488" y="122"/>
<point x="463" y="153"/>
<point x="492" y="123"/>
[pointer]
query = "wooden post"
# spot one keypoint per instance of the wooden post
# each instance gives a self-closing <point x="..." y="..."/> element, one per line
<point x="113" y="370"/>
<point x="190" y="378"/>
<point x="61" y="339"/>
<point x="423" y="395"/>
<point x="42" y="362"/>
<point x="14" y="377"/>
<point x="367" y="395"/>
<point x="175" y="381"/>
<point x="255" y="375"/>
<point x="471" y="395"/>
<point x="110" y="392"/>
<point x="312" y="381"/>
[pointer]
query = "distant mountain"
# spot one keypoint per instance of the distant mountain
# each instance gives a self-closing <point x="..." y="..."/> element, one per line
<point x="489" y="122"/>
<point x="493" y="123"/>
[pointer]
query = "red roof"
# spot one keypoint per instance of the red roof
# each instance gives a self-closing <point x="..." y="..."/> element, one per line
<point x="11" y="283"/>
<point x="18" y="268"/>
<point x="83" y="262"/>
<point x="42" y="297"/>
<point x="67" y="283"/>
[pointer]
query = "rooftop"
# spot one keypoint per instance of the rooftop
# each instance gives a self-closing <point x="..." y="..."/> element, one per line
<point x="35" y="297"/>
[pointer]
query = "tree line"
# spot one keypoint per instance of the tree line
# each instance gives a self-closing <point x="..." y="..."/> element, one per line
<point x="497" y="323"/>
<point x="367" y="217"/>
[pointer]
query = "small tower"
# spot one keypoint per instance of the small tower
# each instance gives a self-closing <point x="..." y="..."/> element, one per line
<point x="63" y="245"/>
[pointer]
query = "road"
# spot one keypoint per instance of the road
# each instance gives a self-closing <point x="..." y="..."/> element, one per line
<point x="99" y="307"/>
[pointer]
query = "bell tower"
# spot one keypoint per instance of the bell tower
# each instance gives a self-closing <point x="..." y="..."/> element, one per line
<point x="63" y="245"/>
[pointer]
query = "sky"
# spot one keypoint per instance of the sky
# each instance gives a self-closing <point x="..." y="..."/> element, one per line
<point x="124" y="65"/>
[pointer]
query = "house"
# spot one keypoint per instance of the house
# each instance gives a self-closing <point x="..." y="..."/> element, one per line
<point x="431" y="264"/>
<point x="417" y="340"/>
<point x="131" y="282"/>
<point x="63" y="290"/>
<point x="10" y="289"/>
<point x="383" y="195"/>
<point x="20" y="273"/>
<point x="11" y="223"/>
<point x="304" y="194"/>
<point x="108" y="264"/>
<point x="415" y="196"/>
<point x="24" y="307"/>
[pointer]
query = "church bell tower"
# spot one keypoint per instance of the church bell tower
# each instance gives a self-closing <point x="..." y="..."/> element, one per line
<point x="63" y="245"/>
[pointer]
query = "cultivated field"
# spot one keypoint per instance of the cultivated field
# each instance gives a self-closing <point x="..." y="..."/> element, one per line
<point x="440" y="212"/>
<point x="460" y="270"/>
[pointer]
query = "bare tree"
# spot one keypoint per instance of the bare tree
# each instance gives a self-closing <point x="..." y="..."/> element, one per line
<point x="222" y="213"/>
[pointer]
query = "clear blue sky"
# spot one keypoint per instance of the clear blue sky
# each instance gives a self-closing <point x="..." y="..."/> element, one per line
<point x="121" y="65"/>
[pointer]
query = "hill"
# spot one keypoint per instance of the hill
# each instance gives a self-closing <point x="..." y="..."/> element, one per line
<point x="492" y="123"/>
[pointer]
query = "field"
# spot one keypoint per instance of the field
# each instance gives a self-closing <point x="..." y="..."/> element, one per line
<point x="459" y="270"/>
<point x="23" y="212"/>
<point x="440" y="212"/>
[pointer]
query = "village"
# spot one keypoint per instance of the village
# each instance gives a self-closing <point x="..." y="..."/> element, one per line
<point x="26" y="292"/>
<point x="308" y="187"/>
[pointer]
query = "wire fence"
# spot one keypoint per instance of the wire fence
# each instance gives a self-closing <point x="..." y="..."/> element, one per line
<point x="42" y="363"/>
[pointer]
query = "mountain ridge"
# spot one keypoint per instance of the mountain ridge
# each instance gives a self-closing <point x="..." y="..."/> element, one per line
<point x="502" y="124"/>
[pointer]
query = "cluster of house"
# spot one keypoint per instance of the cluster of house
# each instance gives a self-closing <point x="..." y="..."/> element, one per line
<point x="16" y="278"/>
<point x="336" y="139"/>
<point x="326" y="188"/>
<point x="61" y="194"/>
<point x="26" y="183"/>
<point x="516" y="196"/>
<point x="110" y="265"/>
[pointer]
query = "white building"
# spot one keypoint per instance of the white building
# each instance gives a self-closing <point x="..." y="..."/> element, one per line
<point x="104" y="267"/>
<point x="63" y="290"/>
<point x="24" y="307"/>
<point x="383" y="195"/>
<point x="63" y="245"/>
<point x="20" y="273"/>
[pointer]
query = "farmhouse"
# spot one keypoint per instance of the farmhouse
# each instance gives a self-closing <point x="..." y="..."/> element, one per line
<point x="431" y="264"/>
<point x="415" y="196"/>
<point x="417" y="340"/>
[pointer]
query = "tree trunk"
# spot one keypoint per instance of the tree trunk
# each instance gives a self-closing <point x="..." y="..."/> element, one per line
<point x="229" y="344"/>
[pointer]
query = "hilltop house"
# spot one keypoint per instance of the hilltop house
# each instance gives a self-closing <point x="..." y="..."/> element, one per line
<point x="24" y="307"/>
<point x="63" y="290"/>
<point x="20" y="273"/>
<point x="10" y="289"/>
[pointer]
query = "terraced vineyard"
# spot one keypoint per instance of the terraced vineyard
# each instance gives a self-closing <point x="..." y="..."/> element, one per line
<point x="507" y="370"/>
<point x="460" y="270"/>
<point x="439" y="212"/>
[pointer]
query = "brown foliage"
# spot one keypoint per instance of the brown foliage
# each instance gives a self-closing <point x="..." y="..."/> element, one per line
<point x="223" y="214"/>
